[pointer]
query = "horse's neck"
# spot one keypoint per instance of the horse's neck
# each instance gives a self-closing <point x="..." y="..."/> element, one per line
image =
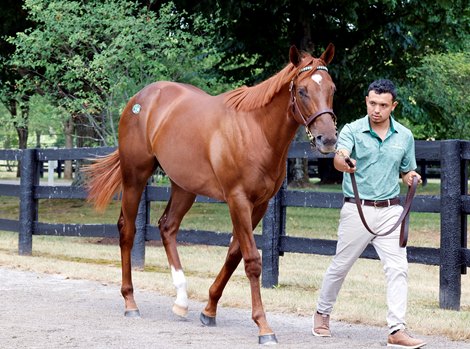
<point x="280" y="127"/>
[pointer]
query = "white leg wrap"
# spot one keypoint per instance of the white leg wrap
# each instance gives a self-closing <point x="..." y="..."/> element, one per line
<point x="180" y="284"/>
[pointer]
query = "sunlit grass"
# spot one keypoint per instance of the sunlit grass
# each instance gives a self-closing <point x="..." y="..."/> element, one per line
<point x="433" y="187"/>
<point x="318" y="223"/>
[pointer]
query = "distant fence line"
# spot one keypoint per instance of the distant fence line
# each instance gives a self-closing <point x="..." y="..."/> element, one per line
<point x="453" y="204"/>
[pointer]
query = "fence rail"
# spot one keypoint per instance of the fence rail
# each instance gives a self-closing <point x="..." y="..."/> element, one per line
<point x="453" y="204"/>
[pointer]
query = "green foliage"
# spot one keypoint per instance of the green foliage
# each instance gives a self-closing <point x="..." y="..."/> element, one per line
<point x="47" y="119"/>
<point x="43" y="117"/>
<point x="91" y="57"/>
<point x="437" y="96"/>
<point x="388" y="38"/>
<point x="373" y="39"/>
<point x="7" y="132"/>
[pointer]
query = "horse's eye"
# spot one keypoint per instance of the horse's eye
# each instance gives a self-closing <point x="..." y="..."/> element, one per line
<point x="303" y="92"/>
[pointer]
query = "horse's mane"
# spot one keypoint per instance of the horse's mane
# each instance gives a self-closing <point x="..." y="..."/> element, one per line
<point x="247" y="98"/>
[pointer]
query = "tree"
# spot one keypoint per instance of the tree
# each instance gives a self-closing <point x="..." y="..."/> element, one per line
<point x="91" y="57"/>
<point x="373" y="39"/>
<point x="13" y="19"/>
<point x="437" y="100"/>
<point x="45" y="119"/>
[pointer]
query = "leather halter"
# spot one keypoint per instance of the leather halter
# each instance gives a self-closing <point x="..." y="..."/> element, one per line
<point x="404" y="217"/>
<point x="295" y="107"/>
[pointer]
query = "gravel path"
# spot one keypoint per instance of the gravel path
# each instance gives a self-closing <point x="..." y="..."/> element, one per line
<point x="50" y="311"/>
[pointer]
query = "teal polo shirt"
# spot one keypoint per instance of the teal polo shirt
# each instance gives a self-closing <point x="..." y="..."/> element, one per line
<point x="379" y="163"/>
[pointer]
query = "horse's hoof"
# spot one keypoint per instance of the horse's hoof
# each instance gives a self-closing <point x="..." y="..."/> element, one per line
<point x="268" y="339"/>
<point x="132" y="313"/>
<point x="208" y="321"/>
<point x="179" y="310"/>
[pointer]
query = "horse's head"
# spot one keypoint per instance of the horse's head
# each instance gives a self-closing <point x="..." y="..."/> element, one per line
<point x="312" y="92"/>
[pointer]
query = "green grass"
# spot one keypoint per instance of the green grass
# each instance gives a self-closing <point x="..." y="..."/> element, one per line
<point x="319" y="223"/>
<point x="303" y="222"/>
<point x="433" y="187"/>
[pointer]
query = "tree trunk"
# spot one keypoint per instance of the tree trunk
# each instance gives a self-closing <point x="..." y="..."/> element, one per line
<point x="23" y="143"/>
<point x="21" y="128"/>
<point x="69" y="129"/>
<point x="86" y="136"/>
<point x="38" y="139"/>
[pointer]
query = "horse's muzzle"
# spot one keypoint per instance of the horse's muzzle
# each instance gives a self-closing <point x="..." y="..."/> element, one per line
<point x="325" y="145"/>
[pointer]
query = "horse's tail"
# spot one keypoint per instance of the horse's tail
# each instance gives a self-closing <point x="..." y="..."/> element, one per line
<point x="103" y="180"/>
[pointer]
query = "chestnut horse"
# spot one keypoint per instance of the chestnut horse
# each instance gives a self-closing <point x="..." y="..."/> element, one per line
<point x="231" y="147"/>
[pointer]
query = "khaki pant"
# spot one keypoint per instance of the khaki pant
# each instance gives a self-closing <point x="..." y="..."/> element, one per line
<point x="353" y="238"/>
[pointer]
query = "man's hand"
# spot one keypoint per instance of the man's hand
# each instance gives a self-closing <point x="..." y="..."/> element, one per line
<point x="343" y="162"/>
<point x="408" y="178"/>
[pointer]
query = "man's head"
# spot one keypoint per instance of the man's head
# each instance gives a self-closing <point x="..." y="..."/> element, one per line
<point x="383" y="86"/>
<point x="380" y="100"/>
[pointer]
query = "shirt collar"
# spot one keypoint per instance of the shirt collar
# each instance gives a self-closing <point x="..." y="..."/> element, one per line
<point x="365" y="125"/>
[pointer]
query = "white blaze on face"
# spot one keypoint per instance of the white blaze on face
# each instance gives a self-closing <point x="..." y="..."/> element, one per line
<point x="180" y="283"/>
<point x="317" y="78"/>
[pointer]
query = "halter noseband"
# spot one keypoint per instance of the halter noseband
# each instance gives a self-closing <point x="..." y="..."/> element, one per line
<point x="312" y="117"/>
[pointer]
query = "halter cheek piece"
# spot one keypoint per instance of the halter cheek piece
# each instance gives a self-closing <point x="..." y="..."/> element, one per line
<point x="311" y="118"/>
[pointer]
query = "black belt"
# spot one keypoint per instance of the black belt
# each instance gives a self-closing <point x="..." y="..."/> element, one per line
<point x="376" y="203"/>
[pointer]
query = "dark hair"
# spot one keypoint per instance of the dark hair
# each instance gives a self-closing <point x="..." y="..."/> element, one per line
<point x="383" y="86"/>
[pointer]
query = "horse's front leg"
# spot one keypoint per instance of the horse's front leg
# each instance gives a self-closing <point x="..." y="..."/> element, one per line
<point x="178" y="205"/>
<point x="266" y="334"/>
<point x="241" y="211"/>
<point x="232" y="260"/>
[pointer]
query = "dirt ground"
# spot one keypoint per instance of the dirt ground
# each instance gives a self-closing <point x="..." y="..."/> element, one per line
<point x="49" y="311"/>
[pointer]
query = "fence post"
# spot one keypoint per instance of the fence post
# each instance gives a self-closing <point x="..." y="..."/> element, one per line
<point x="28" y="204"/>
<point x="451" y="226"/>
<point x="273" y="226"/>
<point x="138" y="249"/>
<point x="463" y="217"/>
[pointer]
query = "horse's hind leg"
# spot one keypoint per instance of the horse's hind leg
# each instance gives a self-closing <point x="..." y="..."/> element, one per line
<point x="178" y="205"/>
<point x="134" y="180"/>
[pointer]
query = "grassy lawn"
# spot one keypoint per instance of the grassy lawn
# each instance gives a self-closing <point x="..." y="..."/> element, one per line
<point x="302" y="222"/>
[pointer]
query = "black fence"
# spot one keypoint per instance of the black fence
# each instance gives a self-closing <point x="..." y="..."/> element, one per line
<point x="453" y="204"/>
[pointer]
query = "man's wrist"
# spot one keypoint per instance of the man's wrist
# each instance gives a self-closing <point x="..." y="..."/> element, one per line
<point x="342" y="153"/>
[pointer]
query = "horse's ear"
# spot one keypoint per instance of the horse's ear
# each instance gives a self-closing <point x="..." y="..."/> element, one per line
<point x="329" y="53"/>
<point x="294" y="55"/>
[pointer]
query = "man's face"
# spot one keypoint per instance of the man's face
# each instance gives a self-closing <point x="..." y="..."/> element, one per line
<point x="379" y="106"/>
